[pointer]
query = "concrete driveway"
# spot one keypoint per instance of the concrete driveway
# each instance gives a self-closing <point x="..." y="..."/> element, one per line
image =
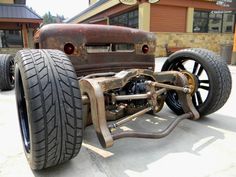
<point x="204" y="148"/>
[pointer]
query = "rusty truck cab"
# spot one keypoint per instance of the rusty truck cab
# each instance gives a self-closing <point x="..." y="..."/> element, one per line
<point x="99" y="48"/>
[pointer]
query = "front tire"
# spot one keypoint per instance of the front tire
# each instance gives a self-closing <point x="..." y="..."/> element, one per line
<point x="49" y="107"/>
<point x="213" y="78"/>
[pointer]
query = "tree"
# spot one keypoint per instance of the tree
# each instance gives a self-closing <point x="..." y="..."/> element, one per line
<point x="49" y="18"/>
<point x="59" y="18"/>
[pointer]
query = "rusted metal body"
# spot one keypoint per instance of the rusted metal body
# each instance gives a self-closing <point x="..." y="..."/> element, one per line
<point x="95" y="46"/>
<point x="115" y="69"/>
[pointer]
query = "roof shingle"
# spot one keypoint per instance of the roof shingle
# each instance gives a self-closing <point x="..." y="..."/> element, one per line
<point x="17" y="11"/>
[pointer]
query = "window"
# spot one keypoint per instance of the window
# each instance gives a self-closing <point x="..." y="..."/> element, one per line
<point x="209" y="22"/>
<point x="229" y="17"/>
<point x="214" y="23"/>
<point x="200" y="24"/>
<point x="129" y="19"/>
<point x="11" y="39"/>
<point x="228" y="23"/>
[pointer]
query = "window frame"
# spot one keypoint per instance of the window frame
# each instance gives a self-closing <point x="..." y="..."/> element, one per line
<point x="13" y="33"/>
<point x="114" y="20"/>
<point x="208" y="18"/>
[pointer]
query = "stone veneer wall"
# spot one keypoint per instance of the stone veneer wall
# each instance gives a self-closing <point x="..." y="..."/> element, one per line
<point x="9" y="50"/>
<point x="209" y="41"/>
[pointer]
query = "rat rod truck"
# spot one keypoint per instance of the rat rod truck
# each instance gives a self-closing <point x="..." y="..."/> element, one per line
<point x="104" y="75"/>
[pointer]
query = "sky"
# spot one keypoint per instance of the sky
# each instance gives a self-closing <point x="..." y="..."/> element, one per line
<point x="68" y="8"/>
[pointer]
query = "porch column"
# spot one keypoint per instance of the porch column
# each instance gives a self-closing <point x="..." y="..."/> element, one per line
<point x="144" y="16"/>
<point x="30" y="38"/>
<point x="190" y="16"/>
<point x="25" y="36"/>
<point x="233" y="60"/>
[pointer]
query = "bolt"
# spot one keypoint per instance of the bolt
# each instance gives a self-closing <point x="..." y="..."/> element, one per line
<point x="187" y="90"/>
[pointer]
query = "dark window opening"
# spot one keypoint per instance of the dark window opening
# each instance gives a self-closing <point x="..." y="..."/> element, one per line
<point x="129" y="19"/>
<point x="105" y="48"/>
<point x="11" y="39"/>
<point x="36" y="45"/>
<point x="209" y="22"/>
<point x="228" y="28"/>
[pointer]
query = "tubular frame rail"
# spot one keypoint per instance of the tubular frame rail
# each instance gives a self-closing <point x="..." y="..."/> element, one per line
<point x="93" y="89"/>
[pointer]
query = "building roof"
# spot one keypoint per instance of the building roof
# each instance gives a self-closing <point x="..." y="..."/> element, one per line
<point x="17" y="11"/>
<point x="97" y="4"/>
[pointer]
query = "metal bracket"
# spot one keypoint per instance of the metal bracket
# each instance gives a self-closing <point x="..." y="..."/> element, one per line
<point x="91" y="88"/>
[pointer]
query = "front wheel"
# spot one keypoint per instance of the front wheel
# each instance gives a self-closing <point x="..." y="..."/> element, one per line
<point x="7" y="79"/>
<point x="213" y="78"/>
<point x="49" y="107"/>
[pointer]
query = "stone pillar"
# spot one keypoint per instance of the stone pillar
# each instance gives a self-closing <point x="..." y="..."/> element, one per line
<point x="144" y="16"/>
<point x="190" y="16"/>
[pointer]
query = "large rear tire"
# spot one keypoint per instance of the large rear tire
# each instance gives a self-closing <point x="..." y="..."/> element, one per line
<point x="213" y="78"/>
<point x="49" y="107"/>
<point x="6" y="72"/>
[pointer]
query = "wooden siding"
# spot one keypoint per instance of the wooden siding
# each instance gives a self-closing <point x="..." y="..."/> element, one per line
<point x="7" y="1"/>
<point x="21" y="20"/>
<point x="9" y="26"/>
<point x="168" y="18"/>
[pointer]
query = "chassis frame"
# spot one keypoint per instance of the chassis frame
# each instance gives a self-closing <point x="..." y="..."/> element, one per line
<point x="93" y="89"/>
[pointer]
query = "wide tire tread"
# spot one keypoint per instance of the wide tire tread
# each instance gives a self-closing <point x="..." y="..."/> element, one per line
<point x="222" y="72"/>
<point x="55" y="108"/>
<point x="217" y="66"/>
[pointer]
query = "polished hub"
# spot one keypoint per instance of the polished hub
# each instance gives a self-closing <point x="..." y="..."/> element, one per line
<point x="192" y="81"/>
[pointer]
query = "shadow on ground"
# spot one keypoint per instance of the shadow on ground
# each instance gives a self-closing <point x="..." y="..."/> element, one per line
<point x="135" y="155"/>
